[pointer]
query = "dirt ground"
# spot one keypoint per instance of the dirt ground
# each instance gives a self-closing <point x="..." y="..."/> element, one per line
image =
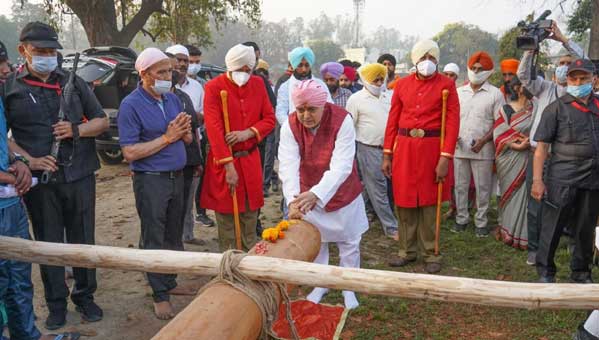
<point x="127" y="303"/>
<point x="124" y="296"/>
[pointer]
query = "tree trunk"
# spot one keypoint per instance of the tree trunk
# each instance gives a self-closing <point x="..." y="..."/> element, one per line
<point x="99" y="20"/>
<point x="594" y="36"/>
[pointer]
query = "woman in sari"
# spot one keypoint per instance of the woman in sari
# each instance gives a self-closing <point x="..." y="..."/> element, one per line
<point x="511" y="136"/>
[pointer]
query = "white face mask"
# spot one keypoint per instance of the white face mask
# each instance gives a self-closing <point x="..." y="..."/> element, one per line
<point x="162" y="86"/>
<point x="373" y="89"/>
<point x="193" y="69"/>
<point x="240" y="78"/>
<point x="426" y="68"/>
<point x="480" y="77"/>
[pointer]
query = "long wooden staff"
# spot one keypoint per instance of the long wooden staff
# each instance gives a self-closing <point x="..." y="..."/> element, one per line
<point x="445" y="94"/>
<point x="223" y="97"/>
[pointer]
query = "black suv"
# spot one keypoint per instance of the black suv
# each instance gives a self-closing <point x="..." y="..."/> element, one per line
<point x="111" y="73"/>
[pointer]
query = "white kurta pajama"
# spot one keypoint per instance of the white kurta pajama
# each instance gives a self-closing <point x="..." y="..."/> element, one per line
<point x="344" y="226"/>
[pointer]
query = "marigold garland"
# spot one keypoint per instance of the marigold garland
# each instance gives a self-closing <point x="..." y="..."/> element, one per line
<point x="278" y="231"/>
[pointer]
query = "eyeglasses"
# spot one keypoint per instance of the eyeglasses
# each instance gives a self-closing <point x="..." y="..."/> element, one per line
<point x="508" y="74"/>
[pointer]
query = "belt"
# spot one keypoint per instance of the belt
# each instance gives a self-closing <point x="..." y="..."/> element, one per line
<point x="380" y="147"/>
<point x="169" y="174"/>
<point x="418" y="133"/>
<point x="244" y="153"/>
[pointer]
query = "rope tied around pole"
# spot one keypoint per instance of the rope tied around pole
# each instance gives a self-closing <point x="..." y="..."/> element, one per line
<point x="263" y="293"/>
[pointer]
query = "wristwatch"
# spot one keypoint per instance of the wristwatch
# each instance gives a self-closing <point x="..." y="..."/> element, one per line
<point x="19" y="157"/>
<point x="75" y="129"/>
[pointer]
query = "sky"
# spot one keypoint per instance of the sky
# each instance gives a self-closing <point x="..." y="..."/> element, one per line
<point x="423" y="18"/>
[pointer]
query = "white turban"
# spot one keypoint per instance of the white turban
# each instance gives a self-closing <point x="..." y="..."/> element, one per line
<point x="149" y="57"/>
<point x="178" y="49"/>
<point x="452" y="67"/>
<point x="240" y="56"/>
<point x="423" y="47"/>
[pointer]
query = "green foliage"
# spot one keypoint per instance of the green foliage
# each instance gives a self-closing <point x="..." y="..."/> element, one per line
<point x="325" y="51"/>
<point x="579" y="22"/>
<point x="458" y="41"/>
<point x="187" y="21"/>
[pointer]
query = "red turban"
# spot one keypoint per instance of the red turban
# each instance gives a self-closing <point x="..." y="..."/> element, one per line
<point x="483" y="58"/>
<point x="509" y="66"/>
<point x="309" y="92"/>
<point x="350" y="73"/>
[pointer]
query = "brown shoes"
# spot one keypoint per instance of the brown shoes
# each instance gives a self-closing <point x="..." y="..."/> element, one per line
<point x="432" y="268"/>
<point x="397" y="261"/>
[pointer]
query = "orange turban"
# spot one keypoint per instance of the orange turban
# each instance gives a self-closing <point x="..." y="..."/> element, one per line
<point x="483" y="58"/>
<point x="509" y="66"/>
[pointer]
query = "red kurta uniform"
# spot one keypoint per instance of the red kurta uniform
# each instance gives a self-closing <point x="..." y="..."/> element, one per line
<point x="416" y="104"/>
<point x="249" y="107"/>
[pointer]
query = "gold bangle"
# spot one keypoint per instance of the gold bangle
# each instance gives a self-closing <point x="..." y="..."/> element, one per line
<point x="166" y="140"/>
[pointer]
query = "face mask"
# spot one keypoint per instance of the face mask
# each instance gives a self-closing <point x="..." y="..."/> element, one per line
<point x="332" y="88"/>
<point x="43" y="64"/>
<point x="426" y="68"/>
<point x="240" y="78"/>
<point x="480" y="77"/>
<point x="193" y="69"/>
<point x="561" y="74"/>
<point x="580" y="91"/>
<point x="373" y="89"/>
<point x="162" y="86"/>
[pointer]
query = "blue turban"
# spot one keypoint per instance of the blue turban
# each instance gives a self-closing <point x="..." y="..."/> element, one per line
<point x="332" y="68"/>
<point x="299" y="53"/>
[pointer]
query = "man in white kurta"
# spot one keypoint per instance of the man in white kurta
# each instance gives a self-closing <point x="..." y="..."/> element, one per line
<point x="323" y="189"/>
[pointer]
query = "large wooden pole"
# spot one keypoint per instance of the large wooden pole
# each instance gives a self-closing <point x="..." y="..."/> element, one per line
<point x="223" y="312"/>
<point x="374" y="282"/>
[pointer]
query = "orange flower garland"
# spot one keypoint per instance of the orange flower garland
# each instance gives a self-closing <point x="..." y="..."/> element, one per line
<point x="277" y="232"/>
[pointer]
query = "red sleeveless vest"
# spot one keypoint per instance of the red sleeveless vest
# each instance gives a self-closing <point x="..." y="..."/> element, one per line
<point x="316" y="151"/>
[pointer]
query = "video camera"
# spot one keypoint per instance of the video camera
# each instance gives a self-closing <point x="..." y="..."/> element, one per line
<point x="534" y="33"/>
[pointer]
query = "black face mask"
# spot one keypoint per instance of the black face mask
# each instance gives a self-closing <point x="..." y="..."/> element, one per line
<point x="176" y="76"/>
<point x="302" y="77"/>
<point x="333" y="88"/>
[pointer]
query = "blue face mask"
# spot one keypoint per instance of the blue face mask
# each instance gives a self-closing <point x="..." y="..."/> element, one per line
<point x="561" y="74"/>
<point x="43" y="64"/>
<point x="581" y="90"/>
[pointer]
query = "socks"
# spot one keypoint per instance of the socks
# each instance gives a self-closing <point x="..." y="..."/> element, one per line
<point x="350" y="299"/>
<point x="317" y="294"/>
<point x="592" y="323"/>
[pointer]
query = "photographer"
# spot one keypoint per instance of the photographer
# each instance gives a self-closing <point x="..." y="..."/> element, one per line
<point x="545" y="92"/>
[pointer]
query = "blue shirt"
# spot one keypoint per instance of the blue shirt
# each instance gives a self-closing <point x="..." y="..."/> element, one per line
<point x="4" y="202"/>
<point x="142" y="118"/>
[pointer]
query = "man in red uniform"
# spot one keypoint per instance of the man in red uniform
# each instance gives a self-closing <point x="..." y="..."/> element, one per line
<point x="412" y="154"/>
<point x="251" y="118"/>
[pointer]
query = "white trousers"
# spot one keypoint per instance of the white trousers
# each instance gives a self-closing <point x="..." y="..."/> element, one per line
<point x="349" y="253"/>
<point x="482" y="171"/>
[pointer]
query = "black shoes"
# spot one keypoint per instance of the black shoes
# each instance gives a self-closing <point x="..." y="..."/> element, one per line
<point x="56" y="319"/>
<point x="482" y="232"/>
<point x="432" y="268"/>
<point x="547" y="279"/>
<point x="458" y="228"/>
<point x="581" y="277"/>
<point x="397" y="261"/>
<point x="204" y="220"/>
<point x="90" y="312"/>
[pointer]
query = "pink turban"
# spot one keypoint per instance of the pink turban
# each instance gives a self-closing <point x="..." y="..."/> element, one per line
<point x="332" y="68"/>
<point x="309" y="92"/>
<point x="149" y="57"/>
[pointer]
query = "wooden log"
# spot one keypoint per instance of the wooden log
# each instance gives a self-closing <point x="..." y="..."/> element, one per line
<point x="374" y="282"/>
<point x="223" y="312"/>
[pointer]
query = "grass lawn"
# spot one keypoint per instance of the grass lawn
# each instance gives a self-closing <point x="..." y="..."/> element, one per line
<point x="382" y="317"/>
